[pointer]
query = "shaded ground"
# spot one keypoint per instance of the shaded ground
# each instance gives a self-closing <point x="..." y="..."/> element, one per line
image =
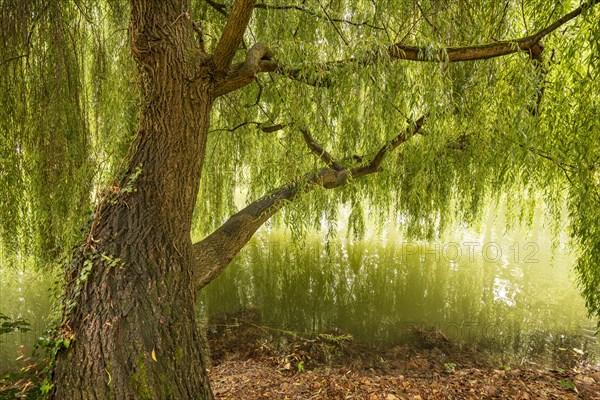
<point x="251" y="361"/>
<point x="253" y="379"/>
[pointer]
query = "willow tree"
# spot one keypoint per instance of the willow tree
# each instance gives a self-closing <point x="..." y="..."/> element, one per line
<point x="423" y="111"/>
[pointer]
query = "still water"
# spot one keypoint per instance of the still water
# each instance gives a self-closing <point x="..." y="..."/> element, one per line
<point x="509" y="292"/>
<point x="506" y="292"/>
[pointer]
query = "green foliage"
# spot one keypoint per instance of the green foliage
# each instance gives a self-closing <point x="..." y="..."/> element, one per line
<point x="300" y="367"/>
<point x="112" y="262"/>
<point x="567" y="385"/>
<point x="450" y="368"/>
<point x="69" y="106"/>
<point x="29" y="383"/>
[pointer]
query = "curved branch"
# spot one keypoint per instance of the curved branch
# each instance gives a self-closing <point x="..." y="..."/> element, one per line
<point x="217" y="250"/>
<point x="375" y="164"/>
<point x="320" y="151"/>
<point x="257" y="60"/>
<point x="233" y="33"/>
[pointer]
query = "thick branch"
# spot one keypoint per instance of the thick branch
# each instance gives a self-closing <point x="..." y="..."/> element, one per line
<point x="399" y="51"/>
<point x="241" y="76"/>
<point x="257" y="60"/>
<point x="233" y="33"/>
<point x="217" y="250"/>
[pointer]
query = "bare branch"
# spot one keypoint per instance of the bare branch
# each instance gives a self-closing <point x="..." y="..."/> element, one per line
<point x="233" y="33"/>
<point x="218" y="249"/>
<point x="320" y="151"/>
<point x="200" y="34"/>
<point x="258" y="60"/>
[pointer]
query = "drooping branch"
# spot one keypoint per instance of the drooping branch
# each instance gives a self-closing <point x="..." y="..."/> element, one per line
<point x="258" y="59"/>
<point x="565" y="167"/>
<point x="217" y="250"/>
<point x="536" y="54"/>
<point x="233" y="33"/>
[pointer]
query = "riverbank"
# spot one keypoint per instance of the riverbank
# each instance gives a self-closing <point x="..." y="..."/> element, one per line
<point x="250" y="361"/>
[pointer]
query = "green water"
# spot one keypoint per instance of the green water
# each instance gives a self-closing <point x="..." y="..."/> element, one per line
<point x="505" y="292"/>
<point x="511" y="294"/>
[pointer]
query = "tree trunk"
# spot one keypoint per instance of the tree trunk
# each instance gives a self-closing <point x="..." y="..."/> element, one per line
<point x="129" y="316"/>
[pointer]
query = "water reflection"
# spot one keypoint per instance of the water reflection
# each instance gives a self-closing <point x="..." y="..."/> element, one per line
<point x="498" y="295"/>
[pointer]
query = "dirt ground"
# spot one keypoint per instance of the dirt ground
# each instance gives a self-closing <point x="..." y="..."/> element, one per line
<point x="250" y="361"/>
<point x="252" y="379"/>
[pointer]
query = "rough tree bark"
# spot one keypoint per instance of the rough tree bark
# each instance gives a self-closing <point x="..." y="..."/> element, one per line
<point x="129" y="315"/>
<point x="129" y="329"/>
